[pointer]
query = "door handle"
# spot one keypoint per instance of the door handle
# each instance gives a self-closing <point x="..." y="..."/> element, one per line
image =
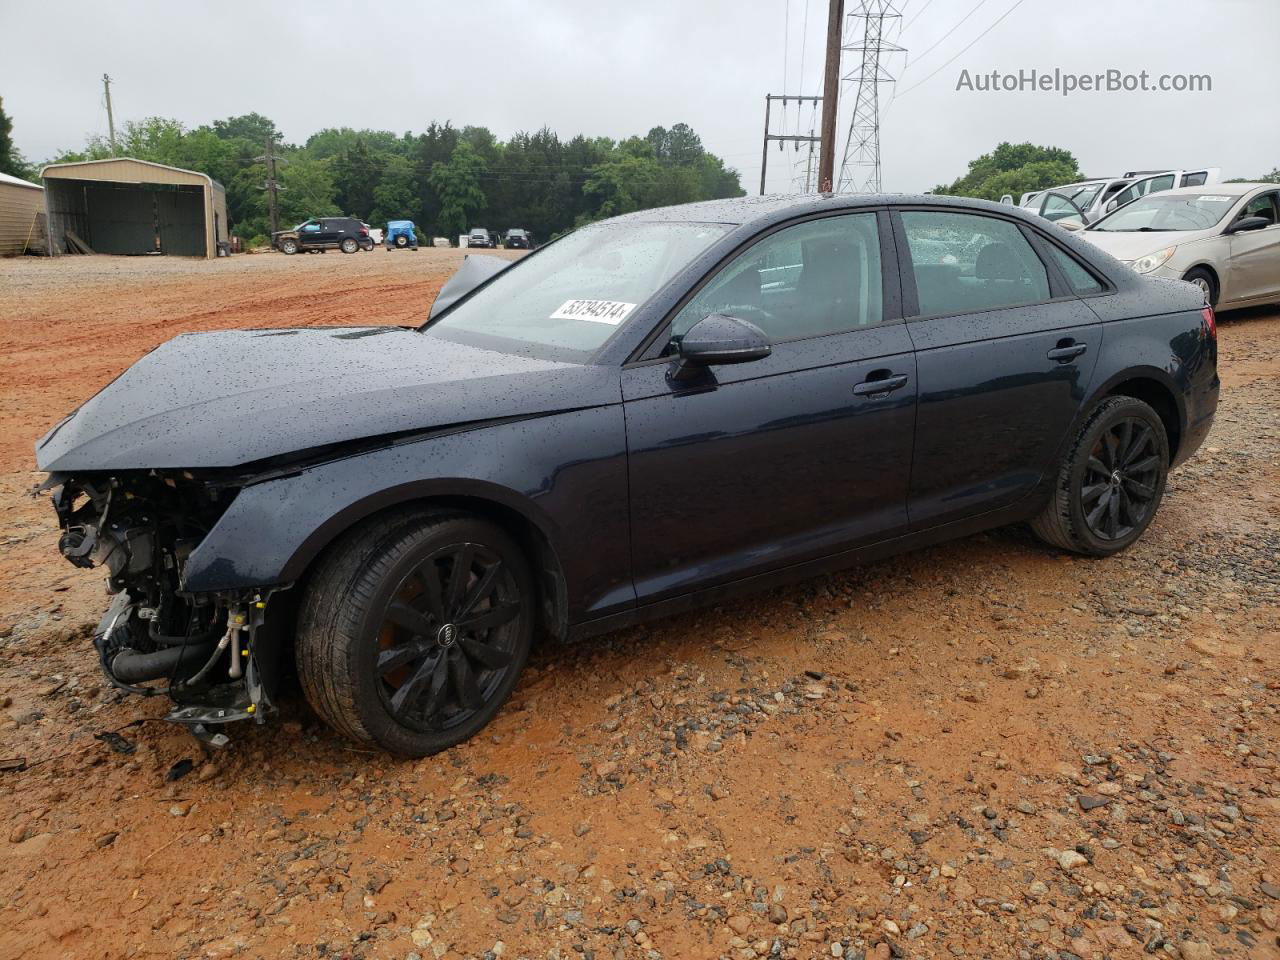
<point x="877" y="385"/>
<point x="1067" y="351"/>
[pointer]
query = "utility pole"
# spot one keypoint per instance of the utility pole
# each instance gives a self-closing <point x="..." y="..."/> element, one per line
<point x="782" y="138"/>
<point x="272" y="186"/>
<point x="111" y="122"/>
<point x="830" y="95"/>
<point x="860" y="168"/>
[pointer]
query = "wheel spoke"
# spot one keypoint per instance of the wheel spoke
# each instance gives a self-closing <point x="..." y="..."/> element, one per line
<point x="1093" y="491"/>
<point x="1110" y="454"/>
<point x="397" y="657"/>
<point x="464" y="683"/>
<point x="1144" y="466"/>
<point x="495" y="616"/>
<point x="1123" y="441"/>
<point x="406" y="696"/>
<point x="483" y="587"/>
<point x="1138" y="490"/>
<point x="404" y="616"/>
<point x="1140" y="443"/>
<point x="1113" y="516"/>
<point x="492" y="657"/>
<point x="1097" y="466"/>
<point x="428" y="575"/>
<point x="459" y="578"/>
<point x="1095" y="515"/>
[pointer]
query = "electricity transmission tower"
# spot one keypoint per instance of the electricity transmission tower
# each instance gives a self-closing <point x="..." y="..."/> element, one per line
<point x="860" y="169"/>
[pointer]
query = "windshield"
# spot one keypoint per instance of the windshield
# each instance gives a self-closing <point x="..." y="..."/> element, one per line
<point x="479" y="232"/>
<point x="1164" y="211"/>
<point x="564" y="301"/>
<point x="1083" y="196"/>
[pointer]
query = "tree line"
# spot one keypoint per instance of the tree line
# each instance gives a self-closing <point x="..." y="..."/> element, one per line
<point x="446" y="179"/>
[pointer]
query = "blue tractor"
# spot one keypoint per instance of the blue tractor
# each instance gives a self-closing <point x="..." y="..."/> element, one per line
<point x="400" y="235"/>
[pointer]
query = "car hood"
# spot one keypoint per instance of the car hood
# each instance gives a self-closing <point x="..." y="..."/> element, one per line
<point x="230" y="398"/>
<point x="1132" y="244"/>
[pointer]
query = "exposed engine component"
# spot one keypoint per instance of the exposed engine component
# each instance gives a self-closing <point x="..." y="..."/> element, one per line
<point x="140" y="528"/>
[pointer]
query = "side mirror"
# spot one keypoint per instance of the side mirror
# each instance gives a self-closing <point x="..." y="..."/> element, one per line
<point x="1248" y="223"/>
<point x="718" y="339"/>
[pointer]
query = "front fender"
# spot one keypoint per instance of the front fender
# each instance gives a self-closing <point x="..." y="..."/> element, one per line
<point x="566" y="474"/>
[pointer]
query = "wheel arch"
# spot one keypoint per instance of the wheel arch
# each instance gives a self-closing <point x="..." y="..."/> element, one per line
<point x="515" y="514"/>
<point x="1208" y="268"/>
<point x="1154" y="388"/>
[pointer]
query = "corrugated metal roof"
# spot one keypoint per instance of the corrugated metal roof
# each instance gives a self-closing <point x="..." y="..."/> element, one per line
<point x="18" y="182"/>
<point x="125" y="170"/>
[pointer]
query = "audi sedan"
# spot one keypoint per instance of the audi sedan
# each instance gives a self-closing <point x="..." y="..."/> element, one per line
<point x="651" y="413"/>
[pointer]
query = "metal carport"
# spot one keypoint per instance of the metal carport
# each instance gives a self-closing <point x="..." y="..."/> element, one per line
<point x="127" y="206"/>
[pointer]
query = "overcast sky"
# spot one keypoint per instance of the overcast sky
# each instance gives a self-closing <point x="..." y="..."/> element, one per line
<point x="616" y="69"/>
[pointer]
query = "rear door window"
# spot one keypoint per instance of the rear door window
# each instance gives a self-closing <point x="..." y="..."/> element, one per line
<point x="1079" y="279"/>
<point x="967" y="263"/>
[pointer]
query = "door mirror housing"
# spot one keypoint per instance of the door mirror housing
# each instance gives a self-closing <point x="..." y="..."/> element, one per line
<point x="1249" y="223"/>
<point x="718" y="339"/>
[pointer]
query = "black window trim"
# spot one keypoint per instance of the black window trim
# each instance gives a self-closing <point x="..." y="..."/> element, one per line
<point x="1059" y="289"/>
<point x="649" y="350"/>
<point x="1273" y="193"/>
<point x="1106" y="287"/>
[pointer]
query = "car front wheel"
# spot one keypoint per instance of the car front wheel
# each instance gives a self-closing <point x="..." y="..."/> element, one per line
<point x="413" y="631"/>
<point x="1203" y="279"/>
<point x="289" y="246"/>
<point x="1110" y="483"/>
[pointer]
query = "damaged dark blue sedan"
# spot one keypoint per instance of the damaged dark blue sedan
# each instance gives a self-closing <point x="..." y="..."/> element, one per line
<point x="651" y="413"/>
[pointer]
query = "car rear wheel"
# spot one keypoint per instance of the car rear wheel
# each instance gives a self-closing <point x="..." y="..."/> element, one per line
<point x="414" y="630"/>
<point x="289" y="246"/>
<point x="1110" y="483"/>
<point x="402" y="241"/>
<point x="349" y="245"/>
<point x="1203" y="279"/>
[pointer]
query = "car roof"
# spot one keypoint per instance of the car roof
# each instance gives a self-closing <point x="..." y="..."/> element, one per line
<point x="1220" y="189"/>
<point x="740" y="211"/>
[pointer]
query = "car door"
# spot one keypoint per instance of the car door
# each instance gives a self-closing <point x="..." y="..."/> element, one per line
<point x="1140" y="188"/>
<point x="1254" y="267"/>
<point x="310" y="233"/>
<point x="756" y="466"/>
<point x="1004" y="353"/>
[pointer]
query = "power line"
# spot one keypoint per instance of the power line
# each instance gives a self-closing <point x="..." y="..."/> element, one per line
<point x="951" y="31"/>
<point x="970" y="44"/>
<point x="917" y="14"/>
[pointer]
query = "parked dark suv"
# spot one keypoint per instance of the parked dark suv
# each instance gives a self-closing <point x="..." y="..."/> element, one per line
<point x="517" y="239"/>
<point x="324" y="233"/>
<point x="654" y="412"/>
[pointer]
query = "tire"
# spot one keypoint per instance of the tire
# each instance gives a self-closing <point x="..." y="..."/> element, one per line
<point x="1207" y="283"/>
<point x="402" y="241"/>
<point x="437" y="686"/>
<point x="349" y="245"/>
<point x="289" y="247"/>
<point x="1120" y="456"/>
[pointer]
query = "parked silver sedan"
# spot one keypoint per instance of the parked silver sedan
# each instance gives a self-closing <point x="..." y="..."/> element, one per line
<point x="1224" y="238"/>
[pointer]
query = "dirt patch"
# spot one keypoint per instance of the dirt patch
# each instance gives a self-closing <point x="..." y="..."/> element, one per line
<point x="985" y="749"/>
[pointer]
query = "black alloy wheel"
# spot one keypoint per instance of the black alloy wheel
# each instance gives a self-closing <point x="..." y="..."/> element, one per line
<point x="442" y="649"/>
<point x="1121" y="480"/>
<point x="1111" y="481"/>
<point x="412" y="631"/>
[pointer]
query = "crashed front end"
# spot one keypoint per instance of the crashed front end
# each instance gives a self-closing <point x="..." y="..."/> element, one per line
<point x="205" y="651"/>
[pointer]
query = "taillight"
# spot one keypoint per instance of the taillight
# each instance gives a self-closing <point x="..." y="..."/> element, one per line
<point x="1210" y="321"/>
<point x="364" y="232"/>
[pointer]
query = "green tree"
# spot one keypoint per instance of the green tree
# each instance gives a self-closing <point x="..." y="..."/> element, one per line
<point x="253" y="127"/>
<point x="396" y="195"/>
<point x="457" y="185"/>
<point x="1014" y="169"/>
<point x="11" y="161"/>
<point x="623" y="183"/>
<point x="356" y="171"/>
<point x="1272" y="177"/>
<point x="309" y="189"/>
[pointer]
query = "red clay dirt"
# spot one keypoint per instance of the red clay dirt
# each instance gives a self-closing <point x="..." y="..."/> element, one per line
<point x="984" y="749"/>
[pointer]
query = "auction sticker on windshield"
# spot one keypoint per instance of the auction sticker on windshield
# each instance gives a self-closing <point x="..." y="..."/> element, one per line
<point x="597" y="311"/>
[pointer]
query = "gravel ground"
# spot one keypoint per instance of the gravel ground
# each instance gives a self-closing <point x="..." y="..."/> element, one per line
<point x="984" y="749"/>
